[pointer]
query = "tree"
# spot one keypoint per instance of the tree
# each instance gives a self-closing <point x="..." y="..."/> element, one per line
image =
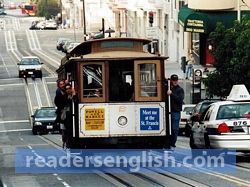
<point x="47" y="8"/>
<point x="231" y="49"/>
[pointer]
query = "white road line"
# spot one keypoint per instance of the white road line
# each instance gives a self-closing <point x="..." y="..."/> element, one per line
<point x="38" y="47"/>
<point x="27" y="35"/>
<point x="5" y="66"/>
<point x="15" y="121"/>
<point x="13" y="40"/>
<point x="48" y="97"/>
<point x="28" y="98"/>
<point x="55" y="61"/>
<point x="29" y="147"/>
<point x="6" y="33"/>
<point x="6" y="85"/>
<point x="16" y="130"/>
<point x="38" y="97"/>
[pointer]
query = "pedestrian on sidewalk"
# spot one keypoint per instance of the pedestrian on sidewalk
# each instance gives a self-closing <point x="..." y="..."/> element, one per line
<point x="176" y="94"/>
<point x="189" y="67"/>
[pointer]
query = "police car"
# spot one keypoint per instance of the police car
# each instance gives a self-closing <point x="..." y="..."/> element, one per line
<point x="225" y="124"/>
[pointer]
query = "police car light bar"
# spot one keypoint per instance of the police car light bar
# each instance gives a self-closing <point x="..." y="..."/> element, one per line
<point x="239" y="93"/>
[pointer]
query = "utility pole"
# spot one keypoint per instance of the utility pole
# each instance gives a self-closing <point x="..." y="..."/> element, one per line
<point x="84" y="20"/>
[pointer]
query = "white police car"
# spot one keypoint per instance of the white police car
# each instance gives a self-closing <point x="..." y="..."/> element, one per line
<point x="225" y="124"/>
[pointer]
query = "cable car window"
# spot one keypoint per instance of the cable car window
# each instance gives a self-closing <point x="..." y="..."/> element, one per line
<point x="121" y="86"/>
<point x="92" y="80"/>
<point x="148" y="84"/>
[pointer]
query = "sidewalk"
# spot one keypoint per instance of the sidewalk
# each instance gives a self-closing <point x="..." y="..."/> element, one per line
<point x="175" y="68"/>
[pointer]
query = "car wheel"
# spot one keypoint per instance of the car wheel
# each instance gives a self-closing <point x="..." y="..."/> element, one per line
<point x="195" y="151"/>
<point x="187" y="131"/>
<point x="191" y="142"/>
<point x="207" y="142"/>
<point x="34" y="130"/>
<point x="40" y="74"/>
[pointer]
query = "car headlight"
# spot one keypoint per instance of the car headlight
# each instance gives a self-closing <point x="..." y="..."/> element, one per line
<point x="122" y="120"/>
<point x="37" y="123"/>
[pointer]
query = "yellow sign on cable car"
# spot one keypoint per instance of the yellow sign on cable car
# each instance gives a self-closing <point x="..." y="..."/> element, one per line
<point x="94" y="119"/>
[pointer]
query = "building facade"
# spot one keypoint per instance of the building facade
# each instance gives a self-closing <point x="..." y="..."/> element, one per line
<point x="176" y="27"/>
<point x="198" y="18"/>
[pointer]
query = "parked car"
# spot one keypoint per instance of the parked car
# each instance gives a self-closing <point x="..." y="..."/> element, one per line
<point x="50" y="24"/>
<point x="40" y="25"/>
<point x="30" y="66"/>
<point x="198" y="110"/>
<point x="185" y="115"/>
<point x="66" y="45"/>
<point x="2" y="11"/>
<point x="61" y="42"/>
<point x="34" y="25"/>
<point x="43" y="120"/>
<point x="225" y="124"/>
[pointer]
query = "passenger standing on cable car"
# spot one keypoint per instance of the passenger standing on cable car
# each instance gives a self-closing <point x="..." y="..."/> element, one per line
<point x="60" y="102"/>
<point x="59" y="99"/>
<point x="70" y="96"/>
<point x="176" y="94"/>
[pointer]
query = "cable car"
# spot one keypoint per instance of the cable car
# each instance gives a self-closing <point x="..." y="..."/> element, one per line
<point x="120" y="94"/>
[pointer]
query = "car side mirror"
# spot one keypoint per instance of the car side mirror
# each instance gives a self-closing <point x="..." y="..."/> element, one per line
<point x="18" y="64"/>
<point x="190" y="113"/>
<point x="32" y="116"/>
<point x="41" y="63"/>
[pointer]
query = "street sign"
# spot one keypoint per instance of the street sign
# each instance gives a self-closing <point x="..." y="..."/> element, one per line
<point x="152" y="32"/>
<point x="197" y="75"/>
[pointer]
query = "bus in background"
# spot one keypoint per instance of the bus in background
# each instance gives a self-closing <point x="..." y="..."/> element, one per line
<point x="29" y="9"/>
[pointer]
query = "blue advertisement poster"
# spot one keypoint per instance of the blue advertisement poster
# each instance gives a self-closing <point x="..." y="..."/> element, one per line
<point x="149" y="119"/>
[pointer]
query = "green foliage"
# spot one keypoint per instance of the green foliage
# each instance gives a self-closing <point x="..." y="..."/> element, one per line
<point x="47" y="8"/>
<point x="232" y="57"/>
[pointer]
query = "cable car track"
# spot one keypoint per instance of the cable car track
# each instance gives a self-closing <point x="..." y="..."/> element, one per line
<point x="148" y="178"/>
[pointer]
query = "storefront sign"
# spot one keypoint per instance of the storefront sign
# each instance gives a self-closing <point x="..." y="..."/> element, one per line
<point x="195" y="26"/>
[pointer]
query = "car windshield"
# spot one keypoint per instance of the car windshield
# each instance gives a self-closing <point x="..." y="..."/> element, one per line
<point x="240" y="110"/>
<point x="30" y="61"/>
<point x="187" y="110"/>
<point x="204" y="106"/>
<point x="45" y="113"/>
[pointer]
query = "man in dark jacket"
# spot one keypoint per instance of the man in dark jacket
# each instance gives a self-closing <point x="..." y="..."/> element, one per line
<point x="176" y="94"/>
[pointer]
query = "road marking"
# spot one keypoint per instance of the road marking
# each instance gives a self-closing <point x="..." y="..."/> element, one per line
<point x="48" y="97"/>
<point x="16" y="130"/>
<point x="19" y="84"/>
<point x="15" y="121"/>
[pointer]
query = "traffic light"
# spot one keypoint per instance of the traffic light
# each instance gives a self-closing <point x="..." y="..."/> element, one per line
<point x="151" y="17"/>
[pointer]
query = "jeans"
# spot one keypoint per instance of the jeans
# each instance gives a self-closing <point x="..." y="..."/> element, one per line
<point x="189" y="70"/>
<point x="175" y="122"/>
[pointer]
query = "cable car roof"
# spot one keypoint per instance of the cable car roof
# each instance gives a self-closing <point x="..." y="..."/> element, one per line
<point x="86" y="47"/>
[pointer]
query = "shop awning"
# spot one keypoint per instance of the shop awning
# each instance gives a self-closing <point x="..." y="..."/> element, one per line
<point x="205" y="22"/>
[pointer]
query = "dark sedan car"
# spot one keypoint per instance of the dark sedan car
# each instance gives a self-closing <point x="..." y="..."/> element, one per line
<point x="43" y="121"/>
